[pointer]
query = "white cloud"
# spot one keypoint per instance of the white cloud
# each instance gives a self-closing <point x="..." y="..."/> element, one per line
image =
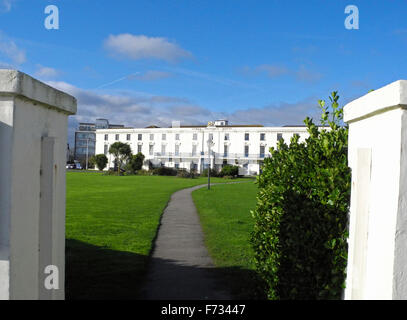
<point x="5" y="5"/>
<point x="152" y="75"/>
<point x="302" y="73"/>
<point x="127" y="108"/>
<point x="272" y="71"/>
<point x="46" y="72"/>
<point x="278" y="114"/>
<point x="142" y="47"/>
<point x="306" y="75"/>
<point x="140" y="110"/>
<point x="10" y="51"/>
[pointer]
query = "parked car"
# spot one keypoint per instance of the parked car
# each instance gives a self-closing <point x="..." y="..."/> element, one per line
<point x="70" y="166"/>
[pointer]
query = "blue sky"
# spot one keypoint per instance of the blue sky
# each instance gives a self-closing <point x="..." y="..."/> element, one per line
<point x="149" y="62"/>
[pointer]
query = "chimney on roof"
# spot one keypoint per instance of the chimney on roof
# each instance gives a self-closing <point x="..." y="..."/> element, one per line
<point x="176" y="124"/>
<point x="221" y="123"/>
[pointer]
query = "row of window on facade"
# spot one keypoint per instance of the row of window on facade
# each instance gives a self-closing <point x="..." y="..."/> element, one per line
<point x="86" y="136"/>
<point x="194" y="150"/>
<point x="194" y="136"/>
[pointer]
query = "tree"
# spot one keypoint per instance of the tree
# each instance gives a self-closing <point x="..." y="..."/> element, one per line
<point x="99" y="160"/>
<point x="136" y="162"/>
<point x="121" y="152"/>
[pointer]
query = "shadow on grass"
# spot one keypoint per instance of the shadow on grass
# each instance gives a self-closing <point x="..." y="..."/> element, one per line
<point x="243" y="284"/>
<point x="94" y="273"/>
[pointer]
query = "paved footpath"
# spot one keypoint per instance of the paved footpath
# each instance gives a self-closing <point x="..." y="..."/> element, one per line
<point x="180" y="266"/>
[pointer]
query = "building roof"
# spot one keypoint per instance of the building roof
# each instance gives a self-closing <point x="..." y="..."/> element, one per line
<point x="227" y="126"/>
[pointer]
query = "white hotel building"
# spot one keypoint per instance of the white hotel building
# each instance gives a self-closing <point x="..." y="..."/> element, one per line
<point x="187" y="146"/>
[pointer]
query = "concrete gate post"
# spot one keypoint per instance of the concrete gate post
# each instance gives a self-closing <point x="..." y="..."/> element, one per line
<point x="377" y="259"/>
<point x="33" y="149"/>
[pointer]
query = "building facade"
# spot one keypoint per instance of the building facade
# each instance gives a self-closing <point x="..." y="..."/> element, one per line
<point x="85" y="138"/>
<point x="197" y="147"/>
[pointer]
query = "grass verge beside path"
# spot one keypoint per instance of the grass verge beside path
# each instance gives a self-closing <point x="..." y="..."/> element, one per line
<point x="224" y="212"/>
<point x="111" y="223"/>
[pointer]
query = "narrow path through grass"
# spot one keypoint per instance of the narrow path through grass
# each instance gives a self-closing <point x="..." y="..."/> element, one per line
<point x="225" y="216"/>
<point x="111" y="223"/>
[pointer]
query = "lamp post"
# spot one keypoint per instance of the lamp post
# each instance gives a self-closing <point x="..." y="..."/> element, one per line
<point x="110" y="157"/>
<point x="210" y="144"/>
<point x="87" y="151"/>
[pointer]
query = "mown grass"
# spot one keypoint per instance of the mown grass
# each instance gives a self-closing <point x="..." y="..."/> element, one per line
<point x="111" y="223"/>
<point x="224" y="212"/>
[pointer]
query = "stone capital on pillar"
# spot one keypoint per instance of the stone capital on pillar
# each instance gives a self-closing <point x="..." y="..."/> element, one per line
<point x="33" y="142"/>
<point x="377" y="155"/>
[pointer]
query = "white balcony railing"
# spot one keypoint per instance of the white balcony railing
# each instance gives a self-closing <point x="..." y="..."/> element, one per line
<point x="250" y="156"/>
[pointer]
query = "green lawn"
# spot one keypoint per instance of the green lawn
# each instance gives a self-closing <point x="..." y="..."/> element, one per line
<point x="111" y="223"/>
<point x="227" y="223"/>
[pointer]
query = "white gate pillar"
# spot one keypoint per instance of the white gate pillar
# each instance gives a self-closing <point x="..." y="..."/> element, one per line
<point x="377" y="256"/>
<point x="33" y="144"/>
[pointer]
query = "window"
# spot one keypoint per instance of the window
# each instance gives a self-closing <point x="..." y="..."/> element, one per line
<point x="139" y="147"/>
<point x="225" y="151"/>
<point x="246" y="151"/>
<point x="262" y="150"/>
<point x="177" y="149"/>
<point x="106" y="149"/>
<point x="246" y="137"/>
<point x="164" y="137"/>
<point x="139" y="137"/>
<point x="195" y="136"/>
<point x="177" y="136"/>
<point x="177" y="166"/>
<point x="117" y="137"/>
<point x="151" y="150"/>
<point x="151" y="137"/>
<point x="211" y="136"/>
<point x="128" y="137"/>
<point x="226" y="136"/>
<point x="194" y="149"/>
<point x="279" y="136"/>
<point x="262" y="136"/>
<point x="162" y="149"/>
<point x="106" y="137"/>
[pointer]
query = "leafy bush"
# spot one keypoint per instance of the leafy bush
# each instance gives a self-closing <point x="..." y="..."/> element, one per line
<point x="135" y="163"/>
<point x="183" y="173"/>
<point x="214" y="173"/>
<point x="164" y="171"/>
<point x="143" y="172"/>
<point x="99" y="160"/>
<point x="229" y="170"/>
<point x="301" y="217"/>
<point x="112" y="172"/>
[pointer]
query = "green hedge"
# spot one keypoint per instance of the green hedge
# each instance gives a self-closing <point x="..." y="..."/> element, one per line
<point x="229" y="170"/>
<point x="164" y="171"/>
<point x="301" y="217"/>
<point x="214" y="173"/>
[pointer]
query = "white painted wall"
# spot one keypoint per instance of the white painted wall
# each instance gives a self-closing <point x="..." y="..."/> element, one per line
<point x="30" y="112"/>
<point x="377" y="259"/>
